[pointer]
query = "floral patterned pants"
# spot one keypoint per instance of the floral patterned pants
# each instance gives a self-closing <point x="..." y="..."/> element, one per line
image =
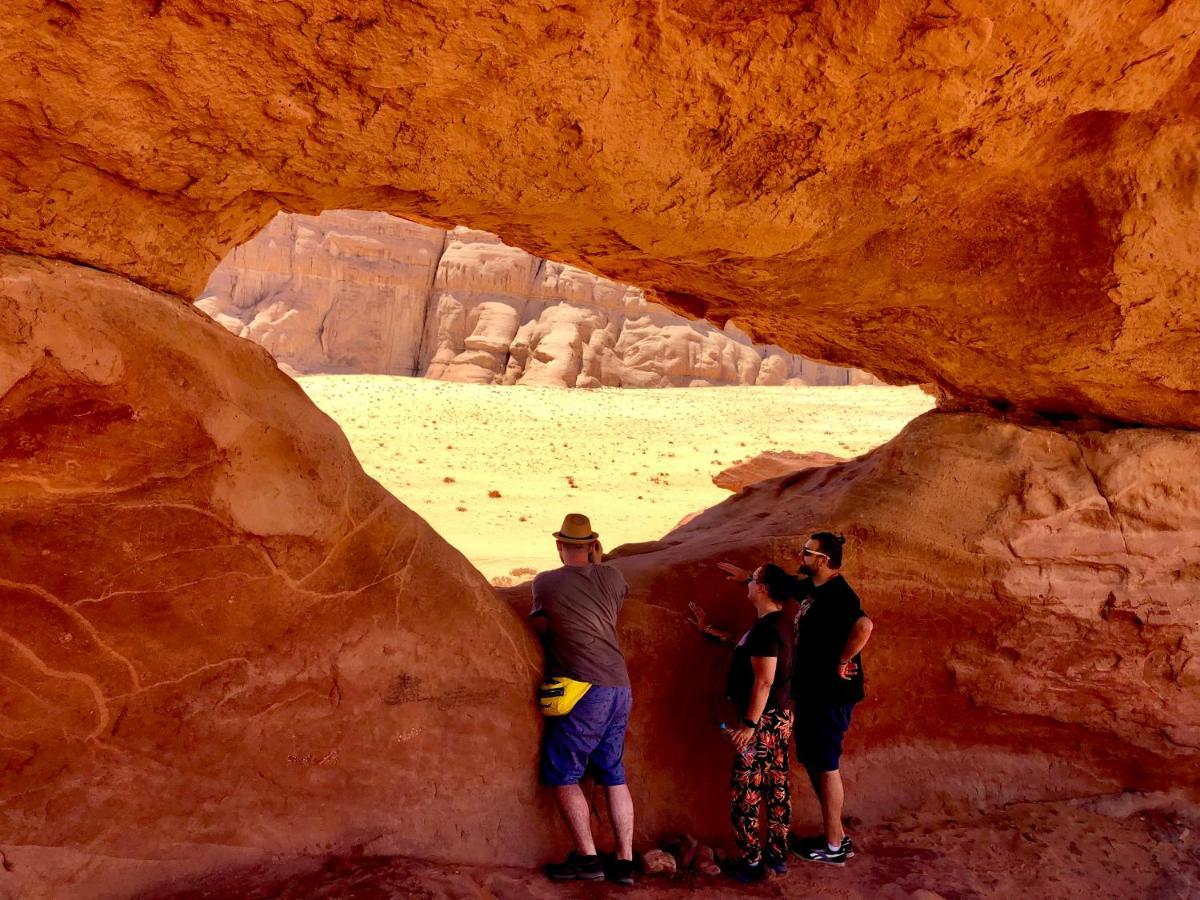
<point x="760" y="781"/>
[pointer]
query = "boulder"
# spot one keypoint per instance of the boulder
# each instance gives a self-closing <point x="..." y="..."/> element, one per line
<point x="771" y="464"/>
<point x="220" y="641"/>
<point x="1034" y="593"/>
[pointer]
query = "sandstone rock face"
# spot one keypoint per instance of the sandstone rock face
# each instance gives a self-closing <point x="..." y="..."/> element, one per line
<point x="340" y="292"/>
<point x="203" y="597"/>
<point x="219" y="639"/>
<point x="771" y="464"/>
<point x="351" y="291"/>
<point x="1036" y="596"/>
<point x="1001" y="202"/>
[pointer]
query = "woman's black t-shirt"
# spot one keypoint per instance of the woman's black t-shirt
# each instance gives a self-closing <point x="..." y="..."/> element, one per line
<point x="771" y="635"/>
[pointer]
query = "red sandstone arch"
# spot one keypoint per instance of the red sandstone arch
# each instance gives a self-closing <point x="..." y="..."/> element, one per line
<point x="1004" y="206"/>
<point x="1001" y="204"/>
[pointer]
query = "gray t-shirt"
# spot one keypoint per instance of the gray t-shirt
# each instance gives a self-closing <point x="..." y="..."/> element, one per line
<point x="580" y="604"/>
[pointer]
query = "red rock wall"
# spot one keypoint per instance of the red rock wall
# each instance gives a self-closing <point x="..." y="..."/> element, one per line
<point x="1035" y="597"/>
<point x="219" y="639"/>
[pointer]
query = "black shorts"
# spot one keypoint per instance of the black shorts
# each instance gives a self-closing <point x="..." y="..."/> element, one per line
<point x="819" y="731"/>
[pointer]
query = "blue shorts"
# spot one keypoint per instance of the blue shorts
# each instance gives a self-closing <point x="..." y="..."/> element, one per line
<point x="591" y="737"/>
<point x="819" y="731"/>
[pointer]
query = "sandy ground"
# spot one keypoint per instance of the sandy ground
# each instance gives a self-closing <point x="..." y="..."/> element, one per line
<point x="493" y="469"/>
<point x="1118" y="848"/>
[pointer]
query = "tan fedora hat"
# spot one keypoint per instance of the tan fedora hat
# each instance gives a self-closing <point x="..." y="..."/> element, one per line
<point x="576" y="529"/>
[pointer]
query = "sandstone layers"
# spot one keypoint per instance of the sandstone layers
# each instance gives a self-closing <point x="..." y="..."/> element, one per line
<point x="1034" y="595"/>
<point x="361" y="292"/>
<point x="219" y="632"/>
<point x="220" y="640"/>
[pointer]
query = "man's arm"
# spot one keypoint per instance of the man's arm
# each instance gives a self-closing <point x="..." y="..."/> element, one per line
<point x="860" y="633"/>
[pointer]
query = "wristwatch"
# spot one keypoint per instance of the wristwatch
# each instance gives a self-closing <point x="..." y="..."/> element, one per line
<point x="748" y="722"/>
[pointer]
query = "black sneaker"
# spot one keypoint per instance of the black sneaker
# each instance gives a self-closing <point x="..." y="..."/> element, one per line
<point x="778" y="866"/>
<point x="823" y="854"/>
<point x="801" y="845"/>
<point x="576" y="867"/>
<point x="747" y="874"/>
<point x="621" y="871"/>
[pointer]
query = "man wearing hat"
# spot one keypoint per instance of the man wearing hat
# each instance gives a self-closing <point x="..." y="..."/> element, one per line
<point x="575" y="607"/>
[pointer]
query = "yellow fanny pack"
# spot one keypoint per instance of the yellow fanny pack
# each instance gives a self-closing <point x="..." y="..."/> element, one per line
<point x="558" y="695"/>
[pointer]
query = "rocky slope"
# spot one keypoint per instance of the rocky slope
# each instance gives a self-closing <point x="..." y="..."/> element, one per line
<point x="351" y="291"/>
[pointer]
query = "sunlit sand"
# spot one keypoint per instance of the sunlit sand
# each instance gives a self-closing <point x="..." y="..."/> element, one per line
<point x="494" y="469"/>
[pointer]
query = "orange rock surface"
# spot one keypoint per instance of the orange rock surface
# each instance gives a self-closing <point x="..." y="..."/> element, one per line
<point x="771" y="464"/>
<point x="1034" y="596"/>
<point x="998" y="201"/>
<point x="219" y="640"/>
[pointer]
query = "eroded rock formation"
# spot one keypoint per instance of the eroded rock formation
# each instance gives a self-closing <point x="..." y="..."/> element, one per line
<point x="220" y="640"/>
<point x="849" y="181"/>
<point x="339" y="292"/>
<point x="770" y="464"/>
<point x="352" y="291"/>
<point x="1036" y="611"/>
<point x="201" y="589"/>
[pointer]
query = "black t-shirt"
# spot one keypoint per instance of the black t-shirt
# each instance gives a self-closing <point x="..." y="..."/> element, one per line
<point x="771" y="635"/>
<point x="824" y="620"/>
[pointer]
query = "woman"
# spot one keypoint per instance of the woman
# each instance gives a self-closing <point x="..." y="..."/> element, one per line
<point x="759" y="687"/>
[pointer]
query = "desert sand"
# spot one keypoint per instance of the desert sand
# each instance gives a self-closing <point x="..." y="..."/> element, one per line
<point x="635" y="461"/>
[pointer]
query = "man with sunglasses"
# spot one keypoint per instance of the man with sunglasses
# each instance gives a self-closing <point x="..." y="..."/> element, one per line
<point x="827" y="681"/>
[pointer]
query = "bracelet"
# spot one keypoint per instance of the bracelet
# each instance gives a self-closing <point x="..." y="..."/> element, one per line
<point x="748" y="723"/>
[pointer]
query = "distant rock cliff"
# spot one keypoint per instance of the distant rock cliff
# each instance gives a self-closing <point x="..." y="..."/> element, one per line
<point x="352" y="291"/>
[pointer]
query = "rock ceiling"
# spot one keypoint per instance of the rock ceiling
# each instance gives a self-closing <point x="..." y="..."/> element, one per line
<point x="1002" y="204"/>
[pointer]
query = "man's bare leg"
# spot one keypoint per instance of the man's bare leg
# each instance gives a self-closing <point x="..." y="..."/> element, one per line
<point x="620" y="812"/>
<point x="578" y="815"/>
<point x="833" y="797"/>
<point x="814" y="778"/>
